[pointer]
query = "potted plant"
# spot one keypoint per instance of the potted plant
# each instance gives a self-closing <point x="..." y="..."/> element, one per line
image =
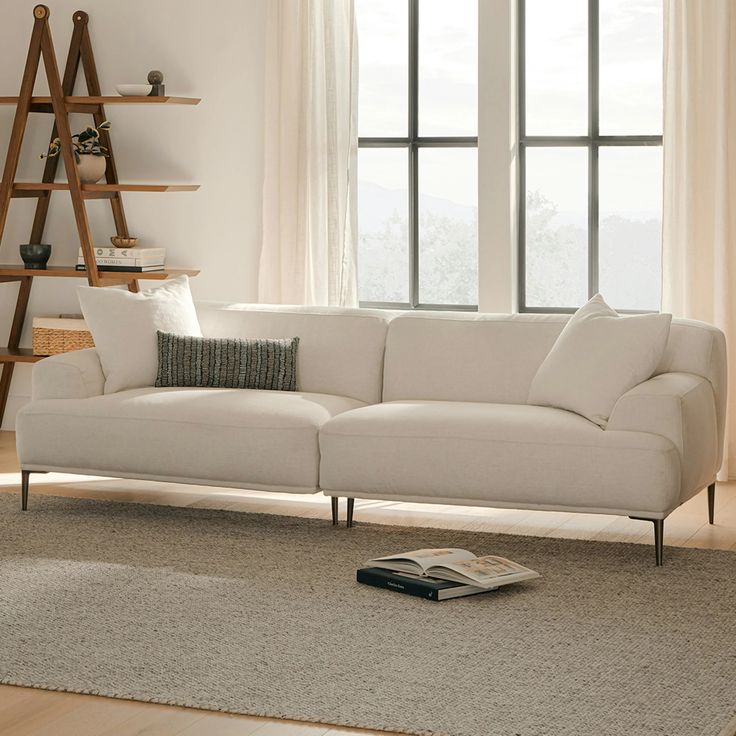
<point x="89" y="154"/>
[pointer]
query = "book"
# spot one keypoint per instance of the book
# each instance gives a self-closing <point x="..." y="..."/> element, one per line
<point x="418" y="585"/>
<point x="124" y="269"/>
<point x="458" y="566"/>
<point x="124" y="261"/>
<point x="136" y="252"/>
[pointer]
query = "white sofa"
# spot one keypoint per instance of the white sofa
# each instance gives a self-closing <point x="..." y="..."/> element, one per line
<point x="427" y="407"/>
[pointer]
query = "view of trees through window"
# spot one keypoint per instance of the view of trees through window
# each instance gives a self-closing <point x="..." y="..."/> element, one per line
<point x="417" y="165"/>
<point x="591" y="127"/>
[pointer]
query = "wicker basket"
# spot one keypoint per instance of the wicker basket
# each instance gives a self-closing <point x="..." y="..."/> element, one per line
<point x="54" y="335"/>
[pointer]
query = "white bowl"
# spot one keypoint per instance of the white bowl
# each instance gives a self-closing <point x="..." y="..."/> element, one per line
<point x="134" y="90"/>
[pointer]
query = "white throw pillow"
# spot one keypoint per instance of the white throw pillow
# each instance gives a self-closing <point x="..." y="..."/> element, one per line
<point x="597" y="358"/>
<point x="124" y="324"/>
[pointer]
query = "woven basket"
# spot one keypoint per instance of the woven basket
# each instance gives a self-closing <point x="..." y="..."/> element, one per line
<point x="54" y="335"/>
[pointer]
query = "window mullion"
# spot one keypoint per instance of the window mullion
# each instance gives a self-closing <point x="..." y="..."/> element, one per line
<point x="413" y="125"/>
<point x="593" y="259"/>
<point x="593" y="133"/>
<point x="414" y="225"/>
<point x="521" y="170"/>
<point x="413" y="69"/>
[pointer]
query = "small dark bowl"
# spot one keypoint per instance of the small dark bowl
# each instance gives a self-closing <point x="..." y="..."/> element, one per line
<point x="35" y="255"/>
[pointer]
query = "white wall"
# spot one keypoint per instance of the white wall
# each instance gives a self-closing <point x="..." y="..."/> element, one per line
<point x="213" y="50"/>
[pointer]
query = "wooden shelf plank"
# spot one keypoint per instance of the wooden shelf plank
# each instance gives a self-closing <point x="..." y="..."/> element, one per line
<point x="19" y="355"/>
<point x="71" y="272"/>
<point x="109" y="100"/>
<point x="120" y="100"/>
<point x="139" y="187"/>
<point x="22" y="188"/>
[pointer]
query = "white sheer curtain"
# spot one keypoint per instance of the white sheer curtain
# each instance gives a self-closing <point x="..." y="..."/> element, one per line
<point x="699" y="228"/>
<point x="309" y="249"/>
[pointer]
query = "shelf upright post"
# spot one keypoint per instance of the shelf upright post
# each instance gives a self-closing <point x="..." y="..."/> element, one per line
<point x="40" y="15"/>
<point x="89" y="67"/>
<point x="67" y="154"/>
<point x="52" y="162"/>
<point x="93" y="89"/>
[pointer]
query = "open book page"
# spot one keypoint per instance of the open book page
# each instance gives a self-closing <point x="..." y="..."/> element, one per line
<point x="420" y="559"/>
<point x="482" y="571"/>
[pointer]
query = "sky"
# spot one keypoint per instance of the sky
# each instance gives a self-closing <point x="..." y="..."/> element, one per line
<point x="630" y="92"/>
<point x="556" y="78"/>
<point x="448" y="88"/>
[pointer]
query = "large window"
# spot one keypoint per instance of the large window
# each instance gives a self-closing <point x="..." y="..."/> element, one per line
<point x="417" y="163"/>
<point x="590" y="118"/>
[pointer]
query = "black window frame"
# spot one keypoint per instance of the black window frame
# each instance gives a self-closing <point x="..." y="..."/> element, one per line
<point x="413" y="142"/>
<point x="593" y="141"/>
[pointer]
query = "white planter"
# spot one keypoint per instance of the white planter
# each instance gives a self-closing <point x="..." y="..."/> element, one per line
<point x="91" y="168"/>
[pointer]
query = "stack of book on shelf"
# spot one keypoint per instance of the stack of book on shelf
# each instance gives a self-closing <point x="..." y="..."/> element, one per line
<point x="126" y="259"/>
<point x="439" y="574"/>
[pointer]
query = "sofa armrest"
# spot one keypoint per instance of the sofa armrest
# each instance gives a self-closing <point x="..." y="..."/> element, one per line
<point x="680" y="407"/>
<point x="75" y="375"/>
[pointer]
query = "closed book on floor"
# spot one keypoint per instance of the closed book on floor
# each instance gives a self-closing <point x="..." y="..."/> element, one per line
<point x="420" y="586"/>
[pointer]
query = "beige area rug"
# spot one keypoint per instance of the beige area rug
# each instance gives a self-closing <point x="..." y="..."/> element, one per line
<point x="261" y="614"/>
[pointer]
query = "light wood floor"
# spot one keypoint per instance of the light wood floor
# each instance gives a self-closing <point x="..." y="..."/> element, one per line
<point x="28" y="712"/>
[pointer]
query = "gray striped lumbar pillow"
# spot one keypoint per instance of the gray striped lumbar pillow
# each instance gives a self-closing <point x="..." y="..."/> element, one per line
<point x="226" y="363"/>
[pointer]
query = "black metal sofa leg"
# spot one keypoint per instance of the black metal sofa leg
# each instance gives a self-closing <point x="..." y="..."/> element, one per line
<point x="24" y="476"/>
<point x="658" y="537"/>
<point x="658" y="540"/>
<point x="351" y="509"/>
<point x="335" y="510"/>
<point x="335" y="501"/>
<point x="711" y="502"/>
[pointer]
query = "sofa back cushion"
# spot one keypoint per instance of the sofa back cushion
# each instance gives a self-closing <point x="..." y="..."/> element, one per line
<point x="466" y="357"/>
<point x="340" y="350"/>
<point x="494" y="357"/>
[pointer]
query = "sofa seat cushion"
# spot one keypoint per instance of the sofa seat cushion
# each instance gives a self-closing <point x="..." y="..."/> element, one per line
<point x="264" y="440"/>
<point x="496" y="454"/>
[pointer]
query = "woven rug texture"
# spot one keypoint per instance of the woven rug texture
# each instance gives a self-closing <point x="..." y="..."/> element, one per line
<point x="261" y="614"/>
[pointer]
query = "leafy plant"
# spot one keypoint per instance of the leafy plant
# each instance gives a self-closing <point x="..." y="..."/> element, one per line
<point x="86" y="143"/>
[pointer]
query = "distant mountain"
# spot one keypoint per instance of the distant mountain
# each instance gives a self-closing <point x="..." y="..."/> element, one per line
<point x="580" y="219"/>
<point x="376" y="204"/>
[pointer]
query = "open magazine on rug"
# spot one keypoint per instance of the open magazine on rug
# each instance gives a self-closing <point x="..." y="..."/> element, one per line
<point x="458" y="566"/>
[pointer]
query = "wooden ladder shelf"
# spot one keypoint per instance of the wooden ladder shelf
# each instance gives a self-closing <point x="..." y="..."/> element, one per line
<point x="60" y="102"/>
